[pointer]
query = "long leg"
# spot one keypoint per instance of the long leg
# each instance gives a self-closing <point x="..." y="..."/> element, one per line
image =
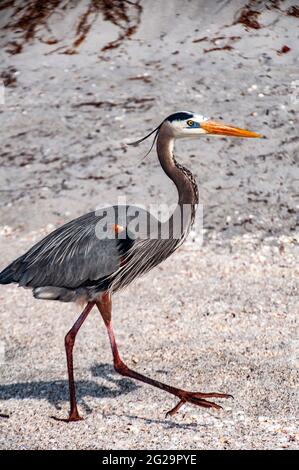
<point x="69" y="341"/>
<point x="197" y="398"/>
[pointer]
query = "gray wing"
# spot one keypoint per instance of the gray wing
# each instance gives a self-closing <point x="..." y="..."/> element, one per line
<point x="68" y="257"/>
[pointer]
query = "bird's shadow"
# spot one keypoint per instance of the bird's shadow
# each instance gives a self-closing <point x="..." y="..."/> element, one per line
<point x="57" y="391"/>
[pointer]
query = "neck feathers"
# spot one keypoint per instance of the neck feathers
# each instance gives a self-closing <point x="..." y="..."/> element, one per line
<point x="181" y="176"/>
<point x="185" y="184"/>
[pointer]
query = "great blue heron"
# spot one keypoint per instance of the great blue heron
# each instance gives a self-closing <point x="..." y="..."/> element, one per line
<point x="73" y="262"/>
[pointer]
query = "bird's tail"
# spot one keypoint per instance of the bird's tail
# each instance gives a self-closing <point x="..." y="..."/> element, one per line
<point x="8" y="274"/>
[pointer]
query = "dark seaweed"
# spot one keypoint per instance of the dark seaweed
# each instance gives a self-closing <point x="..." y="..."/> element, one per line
<point x="29" y="17"/>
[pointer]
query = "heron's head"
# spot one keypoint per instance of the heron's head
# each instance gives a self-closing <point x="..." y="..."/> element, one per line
<point x="188" y="124"/>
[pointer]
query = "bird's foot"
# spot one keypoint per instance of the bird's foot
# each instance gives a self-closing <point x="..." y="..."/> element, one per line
<point x="73" y="416"/>
<point x="199" y="399"/>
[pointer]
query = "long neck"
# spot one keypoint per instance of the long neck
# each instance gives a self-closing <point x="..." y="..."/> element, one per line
<point x="182" y="178"/>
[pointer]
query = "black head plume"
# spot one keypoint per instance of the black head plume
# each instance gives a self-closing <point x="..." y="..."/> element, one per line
<point x="137" y="142"/>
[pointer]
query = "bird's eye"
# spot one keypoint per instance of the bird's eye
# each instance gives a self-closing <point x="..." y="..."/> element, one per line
<point x="190" y="122"/>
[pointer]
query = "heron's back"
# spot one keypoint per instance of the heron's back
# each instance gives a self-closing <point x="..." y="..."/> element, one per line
<point x="76" y="261"/>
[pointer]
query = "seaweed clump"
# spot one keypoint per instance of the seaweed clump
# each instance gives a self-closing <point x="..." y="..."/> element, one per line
<point x="28" y="19"/>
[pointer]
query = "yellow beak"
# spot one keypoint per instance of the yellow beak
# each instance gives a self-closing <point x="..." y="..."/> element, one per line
<point x="214" y="127"/>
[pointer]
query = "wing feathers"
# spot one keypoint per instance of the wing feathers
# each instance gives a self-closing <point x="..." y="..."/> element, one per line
<point x="68" y="257"/>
